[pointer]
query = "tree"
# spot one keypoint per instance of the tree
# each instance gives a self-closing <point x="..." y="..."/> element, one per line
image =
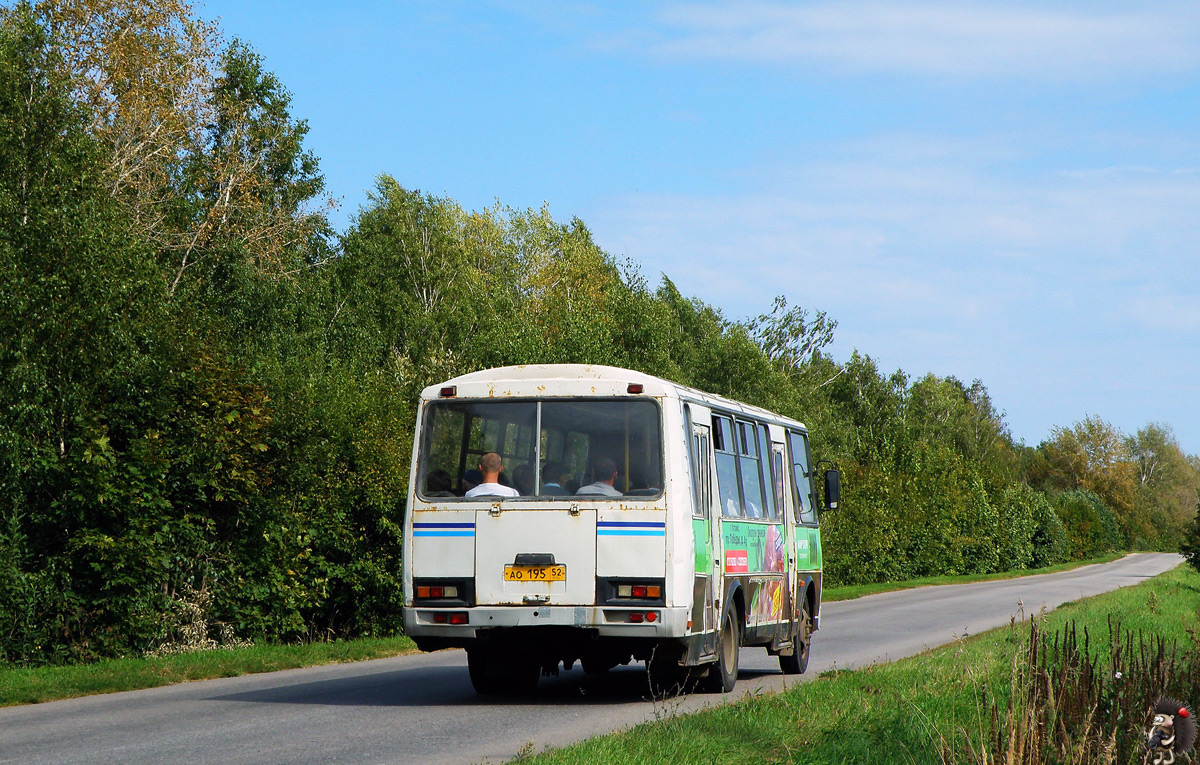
<point x="75" y="289"/>
<point x="1190" y="547"/>
<point x="248" y="184"/>
<point x="943" y="410"/>
<point x="787" y="336"/>
<point x="1094" y="456"/>
<point x="1167" y="481"/>
<point x="141" y="70"/>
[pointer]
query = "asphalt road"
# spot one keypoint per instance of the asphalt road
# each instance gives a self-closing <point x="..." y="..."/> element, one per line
<point x="421" y="709"/>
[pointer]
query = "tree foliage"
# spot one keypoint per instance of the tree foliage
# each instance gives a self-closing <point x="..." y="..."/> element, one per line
<point x="211" y="397"/>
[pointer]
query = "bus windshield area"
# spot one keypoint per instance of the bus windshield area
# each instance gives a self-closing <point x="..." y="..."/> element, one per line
<point x="552" y="448"/>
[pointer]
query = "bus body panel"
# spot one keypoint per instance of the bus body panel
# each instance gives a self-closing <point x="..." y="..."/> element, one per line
<point x="443" y="542"/>
<point x="631" y="543"/>
<point x="538" y="530"/>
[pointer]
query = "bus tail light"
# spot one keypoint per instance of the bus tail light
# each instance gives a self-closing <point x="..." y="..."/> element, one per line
<point x="451" y="617"/>
<point x="444" y="592"/>
<point x="631" y="592"/>
<point x="437" y="591"/>
<point x="637" y="617"/>
<point x="640" y="591"/>
<point x="450" y="391"/>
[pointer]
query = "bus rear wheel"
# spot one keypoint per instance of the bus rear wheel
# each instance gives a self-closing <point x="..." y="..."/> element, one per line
<point x="722" y="675"/>
<point x="492" y="674"/>
<point x="797" y="663"/>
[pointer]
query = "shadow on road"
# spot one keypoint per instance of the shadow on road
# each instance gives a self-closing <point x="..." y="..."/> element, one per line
<point x="442" y="686"/>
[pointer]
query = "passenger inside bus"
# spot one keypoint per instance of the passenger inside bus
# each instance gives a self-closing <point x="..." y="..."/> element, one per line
<point x="490" y="466"/>
<point x="471" y="479"/>
<point x="604" y="472"/>
<point x="555" y="476"/>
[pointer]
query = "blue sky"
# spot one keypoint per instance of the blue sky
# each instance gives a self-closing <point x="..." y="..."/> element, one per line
<point x="1005" y="191"/>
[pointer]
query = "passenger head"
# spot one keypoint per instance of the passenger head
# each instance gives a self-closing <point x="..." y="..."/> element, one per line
<point x="490" y="465"/>
<point x="604" y="470"/>
<point x="471" y="479"/>
<point x="553" y="472"/>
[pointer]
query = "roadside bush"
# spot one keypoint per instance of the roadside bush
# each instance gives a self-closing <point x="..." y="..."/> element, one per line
<point x="1091" y="528"/>
<point x="983" y="535"/>
<point x="1050" y="544"/>
<point x="853" y="555"/>
<point x="1190" y="546"/>
<point x="1018" y="526"/>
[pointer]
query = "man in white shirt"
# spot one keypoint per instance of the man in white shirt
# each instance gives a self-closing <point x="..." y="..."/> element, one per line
<point x="490" y="466"/>
<point x="604" y="471"/>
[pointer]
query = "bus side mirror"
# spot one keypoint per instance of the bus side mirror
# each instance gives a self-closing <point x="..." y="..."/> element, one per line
<point x="833" y="489"/>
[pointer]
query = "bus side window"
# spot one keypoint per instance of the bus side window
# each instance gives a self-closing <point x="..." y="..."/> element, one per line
<point x="727" y="467"/>
<point x="700" y="473"/>
<point x="764" y="454"/>
<point x="777" y="464"/>
<point x="801" y="478"/>
<point x="752" y="489"/>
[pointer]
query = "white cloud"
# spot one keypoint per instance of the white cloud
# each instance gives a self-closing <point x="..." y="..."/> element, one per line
<point x="873" y="234"/>
<point x="932" y="38"/>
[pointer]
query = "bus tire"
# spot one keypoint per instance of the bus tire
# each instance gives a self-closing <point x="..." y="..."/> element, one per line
<point x="723" y="673"/>
<point x="491" y="675"/>
<point x="797" y="663"/>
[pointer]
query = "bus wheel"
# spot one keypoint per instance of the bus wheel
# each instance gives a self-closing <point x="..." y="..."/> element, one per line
<point x="797" y="663"/>
<point x="723" y="673"/>
<point x="492" y="675"/>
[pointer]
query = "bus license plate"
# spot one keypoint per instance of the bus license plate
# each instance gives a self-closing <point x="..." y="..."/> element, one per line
<point x="557" y="573"/>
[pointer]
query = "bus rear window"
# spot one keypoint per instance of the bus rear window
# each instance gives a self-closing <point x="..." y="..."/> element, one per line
<point x="547" y="448"/>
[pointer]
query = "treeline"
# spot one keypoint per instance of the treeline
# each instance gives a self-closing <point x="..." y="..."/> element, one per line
<point x="209" y="394"/>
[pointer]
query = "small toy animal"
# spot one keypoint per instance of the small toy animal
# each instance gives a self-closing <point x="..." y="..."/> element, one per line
<point x="1172" y="731"/>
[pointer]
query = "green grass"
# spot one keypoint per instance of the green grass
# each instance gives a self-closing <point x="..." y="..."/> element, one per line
<point x="931" y="708"/>
<point x="851" y="591"/>
<point x="30" y="686"/>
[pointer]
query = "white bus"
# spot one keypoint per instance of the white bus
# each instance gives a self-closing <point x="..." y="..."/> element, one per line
<point x="633" y="519"/>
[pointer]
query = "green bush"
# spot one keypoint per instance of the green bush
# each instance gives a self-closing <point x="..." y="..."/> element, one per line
<point x="1050" y="544"/>
<point x="1091" y="528"/>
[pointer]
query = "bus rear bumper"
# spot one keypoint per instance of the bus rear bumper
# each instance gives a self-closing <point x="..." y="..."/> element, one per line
<point x="604" y="621"/>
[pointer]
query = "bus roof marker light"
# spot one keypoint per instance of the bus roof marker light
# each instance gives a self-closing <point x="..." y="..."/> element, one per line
<point x="450" y="391"/>
<point x="635" y="388"/>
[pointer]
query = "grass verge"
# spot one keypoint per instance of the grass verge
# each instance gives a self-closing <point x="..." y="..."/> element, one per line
<point x="931" y="708"/>
<point x="30" y="686"/>
<point x="851" y="591"/>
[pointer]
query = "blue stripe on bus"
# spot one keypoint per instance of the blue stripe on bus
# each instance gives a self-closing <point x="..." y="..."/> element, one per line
<point x="444" y="525"/>
<point x="632" y="532"/>
<point x="632" y="524"/>
<point x="419" y="533"/>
